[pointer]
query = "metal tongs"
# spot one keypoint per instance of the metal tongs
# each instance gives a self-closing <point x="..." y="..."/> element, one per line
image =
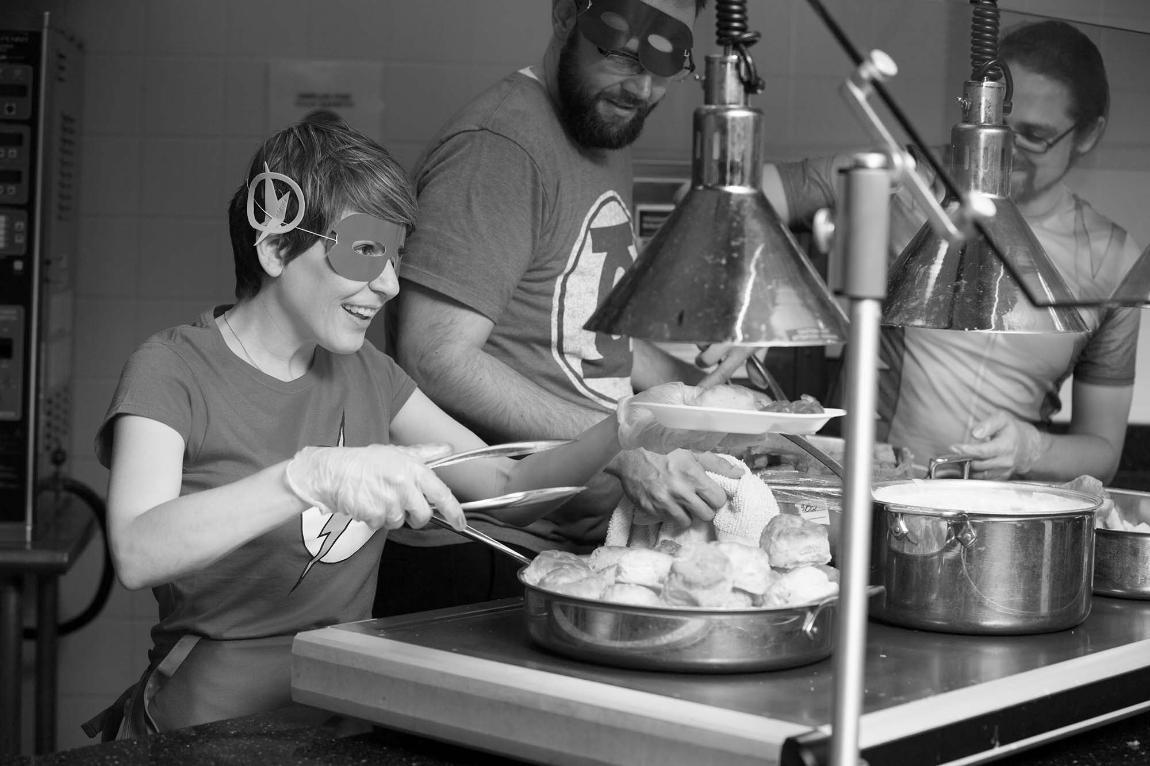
<point x="509" y="500"/>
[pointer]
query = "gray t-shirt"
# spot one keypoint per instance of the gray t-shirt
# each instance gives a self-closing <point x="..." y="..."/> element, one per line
<point x="318" y="569"/>
<point x="520" y="224"/>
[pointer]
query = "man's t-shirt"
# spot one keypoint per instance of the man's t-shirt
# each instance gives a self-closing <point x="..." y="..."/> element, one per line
<point x="942" y="383"/>
<point x="522" y="225"/>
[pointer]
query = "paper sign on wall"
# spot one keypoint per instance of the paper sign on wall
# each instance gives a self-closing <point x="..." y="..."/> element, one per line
<point x="351" y="89"/>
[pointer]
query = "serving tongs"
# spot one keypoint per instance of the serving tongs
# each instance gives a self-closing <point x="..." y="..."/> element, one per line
<point x="510" y="449"/>
<point x="510" y="500"/>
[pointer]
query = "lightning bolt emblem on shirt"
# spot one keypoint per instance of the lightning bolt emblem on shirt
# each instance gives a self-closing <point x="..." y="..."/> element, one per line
<point x="330" y="537"/>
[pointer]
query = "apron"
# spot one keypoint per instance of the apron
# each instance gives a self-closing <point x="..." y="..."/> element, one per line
<point x="198" y="681"/>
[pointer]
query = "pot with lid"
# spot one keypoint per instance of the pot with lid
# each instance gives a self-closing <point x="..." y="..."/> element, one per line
<point x="983" y="557"/>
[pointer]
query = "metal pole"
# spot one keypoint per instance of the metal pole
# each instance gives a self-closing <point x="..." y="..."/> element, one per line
<point x="863" y="234"/>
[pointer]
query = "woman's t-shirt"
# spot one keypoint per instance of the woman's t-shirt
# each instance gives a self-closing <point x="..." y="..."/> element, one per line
<point x="313" y="570"/>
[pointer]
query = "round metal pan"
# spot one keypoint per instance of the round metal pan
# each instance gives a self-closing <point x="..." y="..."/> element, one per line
<point x="1122" y="557"/>
<point x="679" y="639"/>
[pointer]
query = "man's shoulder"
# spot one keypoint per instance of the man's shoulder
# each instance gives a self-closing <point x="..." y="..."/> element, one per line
<point x="517" y="108"/>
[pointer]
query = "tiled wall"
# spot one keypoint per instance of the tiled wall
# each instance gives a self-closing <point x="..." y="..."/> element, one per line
<point x="175" y="103"/>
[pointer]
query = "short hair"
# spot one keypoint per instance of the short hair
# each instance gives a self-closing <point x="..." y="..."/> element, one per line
<point x="1063" y="53"/>
<point x="338" y="169"/>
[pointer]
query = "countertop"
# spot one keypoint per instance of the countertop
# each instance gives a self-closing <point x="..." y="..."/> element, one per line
<point x="289" y="738"/>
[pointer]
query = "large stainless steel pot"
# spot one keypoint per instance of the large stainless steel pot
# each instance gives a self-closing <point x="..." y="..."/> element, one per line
<point x="985" y="557"/>
<point x="690" y="639"/>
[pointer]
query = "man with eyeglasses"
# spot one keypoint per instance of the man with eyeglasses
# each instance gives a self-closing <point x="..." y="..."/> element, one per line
<point x="524" y="227"/>
<point x="991" y="396"/>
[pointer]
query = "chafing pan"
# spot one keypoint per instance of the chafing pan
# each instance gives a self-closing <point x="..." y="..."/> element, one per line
<point x="1122" y="557"/>
<point x="679" y="639"/>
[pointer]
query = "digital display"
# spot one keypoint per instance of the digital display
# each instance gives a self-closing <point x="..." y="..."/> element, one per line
<point x="13" y="90"/>
<point x="11" y="139"/>
<point x="5" y="348"/>
<point x="10" y="176"/>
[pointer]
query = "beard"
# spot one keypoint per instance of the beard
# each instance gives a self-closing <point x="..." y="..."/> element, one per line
<point x="579" y="113"/>
<point x="1028" y="183"/>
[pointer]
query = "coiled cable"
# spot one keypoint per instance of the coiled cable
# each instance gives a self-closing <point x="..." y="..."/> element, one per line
<point x="731" y="32"/>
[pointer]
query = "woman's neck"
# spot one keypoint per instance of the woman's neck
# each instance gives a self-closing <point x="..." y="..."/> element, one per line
<point x="266" y="340"/>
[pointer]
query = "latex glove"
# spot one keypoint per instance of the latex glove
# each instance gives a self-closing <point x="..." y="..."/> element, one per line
<point x="381" y="485"/>
<point x="674" y="487"/>
<point x="639" y="428"/>
<point x="1006" y="447"/>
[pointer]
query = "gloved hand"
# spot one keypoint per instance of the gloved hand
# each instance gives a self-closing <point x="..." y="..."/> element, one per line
<point x="638" y="426"/>
<point x="380" y="485"/>
<point x="726" y="358"/>
<point x="673" y="487"/>
<point x="1007" y="447"/>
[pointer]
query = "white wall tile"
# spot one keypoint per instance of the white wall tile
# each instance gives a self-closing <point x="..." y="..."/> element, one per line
<point x="183" y="177"/>
<point x="108" y="26"/>
<point x="183" y="97"/>
<point x="113" y="87"/>
<point x="177" y="27"/>
<point x="180" y="258"/>
<point x="257" y="29"/>
<point x="245" y="98"/>
<point x="105" y="335"/>
<point x="110" y="176"/>
<point x="108" y="256"/>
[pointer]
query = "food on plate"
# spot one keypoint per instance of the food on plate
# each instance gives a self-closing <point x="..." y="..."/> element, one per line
<point x="589" y="586"/>
<point x="805" y="404"/>
<point x="729" y="398"/>
<point x="791" y="541"/>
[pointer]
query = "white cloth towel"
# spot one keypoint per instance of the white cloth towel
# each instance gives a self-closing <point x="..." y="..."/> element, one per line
<point x="750" y="505"/>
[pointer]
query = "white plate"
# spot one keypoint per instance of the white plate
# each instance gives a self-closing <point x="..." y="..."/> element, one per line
<point x="722" y="420"/>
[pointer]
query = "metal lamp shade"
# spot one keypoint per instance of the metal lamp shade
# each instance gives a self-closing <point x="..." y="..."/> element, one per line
<point x="723" y="267"/>
<point x="940" y="285"/>
<point x="969" y="286"/>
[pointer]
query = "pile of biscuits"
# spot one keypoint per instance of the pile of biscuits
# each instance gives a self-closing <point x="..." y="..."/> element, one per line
<point x="790" y="567"/>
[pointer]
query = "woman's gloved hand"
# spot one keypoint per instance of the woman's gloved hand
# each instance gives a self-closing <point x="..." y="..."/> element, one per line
<point x="381" y="485"/>
<point x="638" y="426"/>
<point x="1006" y="447"/>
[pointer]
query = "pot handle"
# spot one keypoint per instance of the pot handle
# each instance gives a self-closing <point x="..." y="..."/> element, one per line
<point x="941" y="460"/>
<point x="810" y="629"/>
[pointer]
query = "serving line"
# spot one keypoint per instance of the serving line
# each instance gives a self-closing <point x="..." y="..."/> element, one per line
<point x="471" y="675"/>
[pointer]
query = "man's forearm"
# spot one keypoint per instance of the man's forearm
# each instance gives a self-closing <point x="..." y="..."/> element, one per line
<point x="653" y="366"/>
<point x="1069" y="456"/>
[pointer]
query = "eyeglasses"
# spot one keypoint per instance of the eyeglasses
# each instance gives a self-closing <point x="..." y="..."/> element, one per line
<point x="627" y="64"/>
<point x="1035" y="145"/>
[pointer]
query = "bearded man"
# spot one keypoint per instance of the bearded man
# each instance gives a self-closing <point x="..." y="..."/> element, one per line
<point x="524" y="227"/>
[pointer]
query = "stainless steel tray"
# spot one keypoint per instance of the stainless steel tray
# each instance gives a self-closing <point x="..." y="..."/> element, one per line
<point x="1122" y="558"/>
<point x="679" y="639"/>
